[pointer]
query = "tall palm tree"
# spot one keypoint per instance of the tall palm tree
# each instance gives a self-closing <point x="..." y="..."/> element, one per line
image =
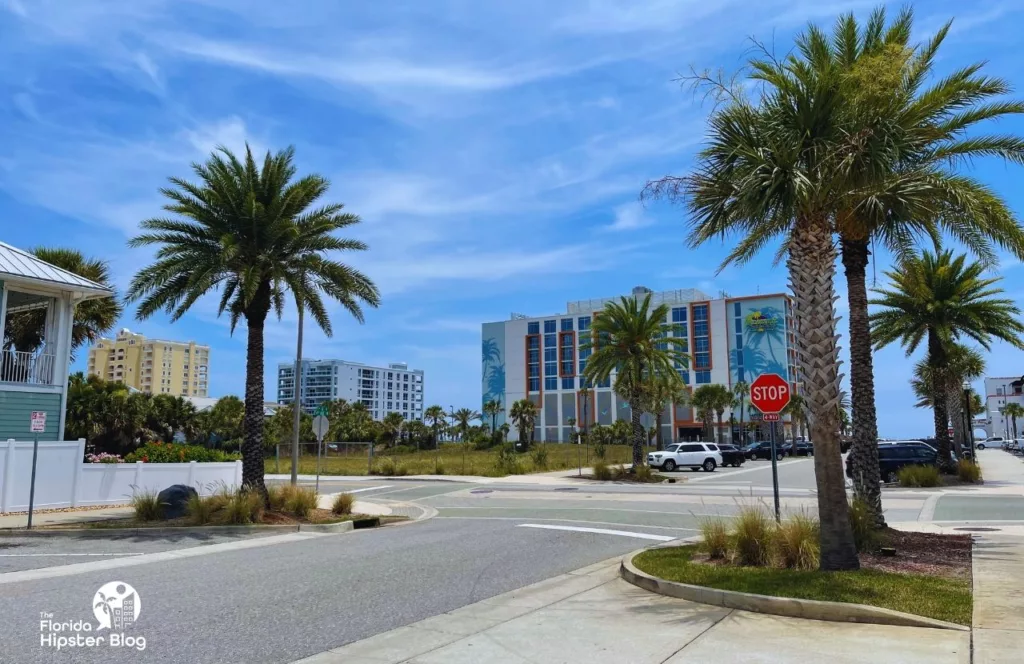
<point x="741" y="390"/>
<point x="721" y="398"/>
<point x="1013" y="411"/>
<point x="632" y="340"/>
<point x="93" y="318"/>
<point x="962" y="363"/>
<point x="773" y="167"/>
<point x="251" y="232"/>
<point x="523" y="413"/>
<point x="494" y="408"/>
<point x="392" y="423"/>
<point x="796" y="410"/>
<point x="462" y="418"/>
<point x="939" y="299"/>
<point x="435" y="416"/>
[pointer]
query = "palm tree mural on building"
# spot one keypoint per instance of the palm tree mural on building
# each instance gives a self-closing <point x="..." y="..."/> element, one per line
<point x="764" y="330"/>
<point x="493" y="371"/>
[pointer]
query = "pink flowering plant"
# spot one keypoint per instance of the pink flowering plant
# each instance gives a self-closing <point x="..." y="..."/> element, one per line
<point x="103" y="457"/>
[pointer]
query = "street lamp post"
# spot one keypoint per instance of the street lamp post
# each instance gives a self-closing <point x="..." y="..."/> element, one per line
<point x="297" y="402"/>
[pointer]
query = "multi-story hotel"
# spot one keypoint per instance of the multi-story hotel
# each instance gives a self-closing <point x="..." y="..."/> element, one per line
<point x="540" y="358"/>
<point x="153" y="366"/>
<point x="394" y="389"/>
<point x="1000" y="391"/>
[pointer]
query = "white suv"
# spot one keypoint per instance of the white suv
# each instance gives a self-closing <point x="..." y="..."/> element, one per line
<point x="694" y="455"/>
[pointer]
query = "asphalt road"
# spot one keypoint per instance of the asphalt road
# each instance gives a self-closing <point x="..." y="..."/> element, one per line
<point x="279" y="603"/>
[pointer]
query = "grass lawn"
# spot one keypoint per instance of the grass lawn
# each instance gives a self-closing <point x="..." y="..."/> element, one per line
<point x="942" y="598"/>
<point x="560" y="456"/>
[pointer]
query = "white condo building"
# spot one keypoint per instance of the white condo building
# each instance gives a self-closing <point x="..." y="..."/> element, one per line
<point x="383" y="390"/>
<point x="541" y="358"/>
<point x="1000" y="391"/>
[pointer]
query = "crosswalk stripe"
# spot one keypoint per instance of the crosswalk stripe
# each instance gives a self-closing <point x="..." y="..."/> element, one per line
<point x="600" y="531"/>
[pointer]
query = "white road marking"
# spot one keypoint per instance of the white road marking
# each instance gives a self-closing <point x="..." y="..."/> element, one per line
<point x="600" y="523"/>
<point x="600" y="531"/>
<point x="43" y="555"/>
<point x="148" y="558"/>
<point x="369" y="488"/>
<point x="730" y="473"/>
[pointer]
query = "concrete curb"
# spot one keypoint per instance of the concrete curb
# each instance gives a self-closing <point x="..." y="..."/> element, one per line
<point x="341" y="527"/>
<point x="780" y="606"/>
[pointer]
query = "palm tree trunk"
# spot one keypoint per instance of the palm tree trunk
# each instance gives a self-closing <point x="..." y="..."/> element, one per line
<point x="864" y="449"/>
<point x="638" y="433"/>
<point x="743" y="431"/>
<point x="955" y="407"/>
<point x="720" y="441"/>
<point x="811" y="273"/>
<point x="937" y="361"/>
<point x="657" y="423"/>
<point x="252" y="445"/>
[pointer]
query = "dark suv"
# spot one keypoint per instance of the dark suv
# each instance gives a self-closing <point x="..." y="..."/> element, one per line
<point x="893" y="456"/>
<point x="763" y="450"/>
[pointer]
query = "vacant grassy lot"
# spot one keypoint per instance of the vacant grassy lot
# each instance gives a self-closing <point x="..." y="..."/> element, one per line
<point x="449" y="461"/>
<point x="939" y="597"/>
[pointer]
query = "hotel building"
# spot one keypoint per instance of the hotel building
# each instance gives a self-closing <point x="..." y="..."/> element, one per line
<point x="729" y="339"/>
<point x="392" y="389"/>
<point x="153" y="366"/>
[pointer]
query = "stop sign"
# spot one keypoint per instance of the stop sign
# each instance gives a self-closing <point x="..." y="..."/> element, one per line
<point x="769" y="393"/>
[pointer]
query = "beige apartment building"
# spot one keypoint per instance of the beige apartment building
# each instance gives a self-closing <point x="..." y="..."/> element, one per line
<point x="153" y="366"/>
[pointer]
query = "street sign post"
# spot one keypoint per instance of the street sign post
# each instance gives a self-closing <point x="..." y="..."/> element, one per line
<point x="770" y="394"/>
<point x="321" y="425"/>
<point x="36" y="426"/>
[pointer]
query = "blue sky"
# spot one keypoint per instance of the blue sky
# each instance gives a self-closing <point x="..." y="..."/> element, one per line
<point x="495" y="150"/>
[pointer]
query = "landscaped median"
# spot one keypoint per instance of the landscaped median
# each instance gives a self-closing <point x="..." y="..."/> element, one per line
<point x="911" y="579"/>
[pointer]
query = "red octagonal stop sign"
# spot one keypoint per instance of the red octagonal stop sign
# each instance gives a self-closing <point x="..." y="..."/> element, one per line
<point x="769" y="393"/>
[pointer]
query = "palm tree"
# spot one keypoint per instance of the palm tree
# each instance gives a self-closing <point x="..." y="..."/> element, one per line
<point x="662" y="393"/>
<point x="462" y="417"/>
<point x="252" y="232"/>
<point x="523" y="413"/>
<point x="906" y="139"/>
<point x="795" y="410"/>
<point x="773" y="166"/>
<point x="703" y="402"/>
<point x="392" y="423"/>
<point x="962" y="363"/>
<point x="632" y="339"/>
<point x="1013" y="411"/>
<point x="93" y="318"/>
<point x="493" y="408"/>
<point x="938" y="299"/>
<point x="741" y="390"/>
<point x="504" y="429"/>
<point x="721" y="398"/>
<point x="435" y="416"/>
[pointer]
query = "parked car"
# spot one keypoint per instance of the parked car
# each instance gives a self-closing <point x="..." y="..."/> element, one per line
<point x="692" y="455"/>
<point x="895" y="455"/>
<point x="763" y="450"/>
<point x="731" y="455"/>
<point x="991" y="441"/>
<point x="799" y="448"/>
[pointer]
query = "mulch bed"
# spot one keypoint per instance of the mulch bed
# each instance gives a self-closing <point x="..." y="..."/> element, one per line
<point x="923" y="553"/>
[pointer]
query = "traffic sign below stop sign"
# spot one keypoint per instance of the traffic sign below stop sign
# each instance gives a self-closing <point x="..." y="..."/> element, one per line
<point x="769" y="393"/>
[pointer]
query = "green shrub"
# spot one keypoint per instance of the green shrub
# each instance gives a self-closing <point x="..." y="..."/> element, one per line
<point x="714" y="537"/>
<point x="797" y="540"/>
<point x="244" y="507"/>
<point x="175" y="453"/>
<point x="600" y="450"/>
<point x="506" y="461"/>
<point x="919" y="476"/>
<point x="602" y="471"/>
<point x="200" y="509"/>
<point x="968" y="471"/>
<point x="620" y="472"/>
<point x="301" y="501"/>
<point x="402" y="449"/>
<point x="540" y="457"/>
<point x="277" y="496"/>
<point x="438" y="468"/>
<point x="389" y="468"/>
<point x="643" y="473"/>
<point x="753" y="532"/>
<point x="343" y="503"/>
<point x="865" y="535"/>
<point x="147" y="506"/>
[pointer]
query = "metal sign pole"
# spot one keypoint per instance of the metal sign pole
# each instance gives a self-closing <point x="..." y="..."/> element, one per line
<point x="319" y="447"/>
<point x="32" y="482"/>
<point x="775" y="475"/>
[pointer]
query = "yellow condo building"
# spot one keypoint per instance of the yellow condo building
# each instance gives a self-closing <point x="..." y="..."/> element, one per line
<point x="153" y="366"/>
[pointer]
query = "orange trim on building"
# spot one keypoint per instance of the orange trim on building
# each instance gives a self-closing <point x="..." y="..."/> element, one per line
<point x="540" y="363"/>
<point x="693" y="340"/>
<point x="561" y="356"/>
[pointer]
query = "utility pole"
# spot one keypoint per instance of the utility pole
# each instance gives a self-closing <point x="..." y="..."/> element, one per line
<point x="297" y="402"/>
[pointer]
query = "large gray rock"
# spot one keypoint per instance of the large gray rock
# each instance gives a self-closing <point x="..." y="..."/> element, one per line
<point x="173" y="500"/>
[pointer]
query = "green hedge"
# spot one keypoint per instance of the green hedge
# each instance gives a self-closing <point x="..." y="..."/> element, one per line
<point x="174" y="453"/>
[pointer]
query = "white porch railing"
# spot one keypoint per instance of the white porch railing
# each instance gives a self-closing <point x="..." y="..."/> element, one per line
<point x="27" y="368"/>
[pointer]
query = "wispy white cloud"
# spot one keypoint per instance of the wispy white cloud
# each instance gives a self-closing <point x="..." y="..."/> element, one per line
<point x="630" y="217"/>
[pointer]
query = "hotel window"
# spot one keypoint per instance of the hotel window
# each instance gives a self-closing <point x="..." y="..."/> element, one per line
<point x="584" y="323"/>
<point x="678" y="314"/>
<point x="566" y="325"/>
<point x="567" y="355"/>
<point x="533" y="328"/>
<point x="533" y="364"/>
<point x="568" y="383"/>
<point x="550" y="382"/>
<point x="549" y="327"/>
<point x="701" y="340"/>
<point x="703" y="377"/>
<point x="738" y="328"/>
<point x="681" y="331"/>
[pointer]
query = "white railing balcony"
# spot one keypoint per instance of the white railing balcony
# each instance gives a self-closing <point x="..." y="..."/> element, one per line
<point x="27" y="368"/>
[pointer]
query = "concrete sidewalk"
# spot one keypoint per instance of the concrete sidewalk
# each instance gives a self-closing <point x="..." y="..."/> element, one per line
<point x="593" y="616"/>
<point x="998" y="599"/>
<point x="71" y="517"/>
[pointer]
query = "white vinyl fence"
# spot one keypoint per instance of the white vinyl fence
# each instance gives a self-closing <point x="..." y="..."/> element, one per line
<point x="63" y="480"/>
